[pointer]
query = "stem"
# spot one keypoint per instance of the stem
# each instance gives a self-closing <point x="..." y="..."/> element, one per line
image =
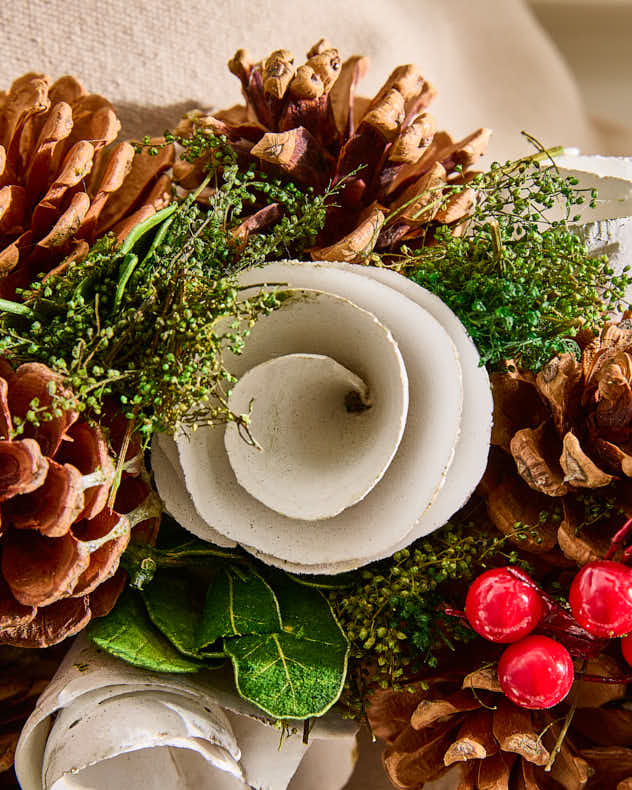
<point x="16" y="308"/>
<point x="560" y="738"/>
<point x="139" y="230"/>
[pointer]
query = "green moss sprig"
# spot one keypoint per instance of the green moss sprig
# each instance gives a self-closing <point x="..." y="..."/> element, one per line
<point x="146" y="323"/>
<point x="522" y="282"/>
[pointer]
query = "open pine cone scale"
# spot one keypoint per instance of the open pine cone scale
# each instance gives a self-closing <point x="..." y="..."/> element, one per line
<point x="557" y="437"/>
<point x="61" y="184"/>
<point x="60" y="543"/>
<point x="306" y="123"/>
<point x="459" y="721"/>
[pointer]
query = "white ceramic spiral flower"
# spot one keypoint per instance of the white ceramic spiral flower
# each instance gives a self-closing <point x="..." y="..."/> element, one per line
<point x="103" y="724"/>
<point x="372" y="413"/>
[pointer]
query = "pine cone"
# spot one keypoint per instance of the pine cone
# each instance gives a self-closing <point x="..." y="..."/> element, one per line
<point x="306" y="123"/>
<point x="60" y="543"/>
<point x="558" y="436"/>
<point x="462" y="719"/>
<point x="60" y="185"/>
<point x="24" y="674"/>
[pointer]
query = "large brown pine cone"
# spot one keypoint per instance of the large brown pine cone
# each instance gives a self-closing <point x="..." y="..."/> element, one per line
<point x="462" y="719"/>
<point x="562" y="438"/>
<point x="306" y="123"/>
<point x="60" y="543"/>
<point x="61" y="186"/>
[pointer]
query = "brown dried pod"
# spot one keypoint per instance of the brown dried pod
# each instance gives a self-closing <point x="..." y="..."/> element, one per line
<point x="558" y="437"/>
<point x="59" y="178"/>
<point x="306" y="123"/>
<point x="60" y="542"/>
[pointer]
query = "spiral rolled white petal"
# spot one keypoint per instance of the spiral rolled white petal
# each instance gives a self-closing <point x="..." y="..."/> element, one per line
<point x="434" y="469"/>
<point x="102" y="724"/>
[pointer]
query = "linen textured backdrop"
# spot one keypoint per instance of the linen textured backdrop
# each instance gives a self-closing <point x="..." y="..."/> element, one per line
<point x="489" y="59"/>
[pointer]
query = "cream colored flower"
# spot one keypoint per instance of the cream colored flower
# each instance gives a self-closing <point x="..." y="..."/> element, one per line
<point x="371" y="412"/>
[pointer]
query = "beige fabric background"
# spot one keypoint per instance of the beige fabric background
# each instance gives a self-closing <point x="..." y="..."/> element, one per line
<point x="491" y="62"/>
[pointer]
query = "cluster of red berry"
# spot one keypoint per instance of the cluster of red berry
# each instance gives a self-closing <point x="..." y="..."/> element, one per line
<point x="505" y="605"/>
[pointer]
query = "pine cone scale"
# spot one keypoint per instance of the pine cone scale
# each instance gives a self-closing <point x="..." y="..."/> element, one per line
<point x="23" y="468"/>
<point x="41" y="570"/>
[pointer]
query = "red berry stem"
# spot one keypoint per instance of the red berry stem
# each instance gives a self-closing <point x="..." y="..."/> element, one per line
<point x="618" y="538"/>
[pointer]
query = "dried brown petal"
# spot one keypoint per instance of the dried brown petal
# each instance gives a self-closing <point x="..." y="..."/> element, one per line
<point x="509" y="502"/>
<point x="23" y="468"/>
<point x="356" y="247"/>
<point x="416" y="756"/>
<point x="569" y="769"/>
<point x="41" y="169"/>
<point x="144" y="171"/>
<point x="257" y="221"/>
<point x="420" y="202"/>
<point x="535" y="451"/>
<point x="295" y="152"/>
<point x="342" y="94"/>
<point x="527" y="778"/>
<point x="52" y="624"/>
<point x="13" y="613"/>
<point x="558" y="382"/>
<point x="578" y="468"/>
<point x="12" y="208"/>
<point x="611" y="763"/>
<point x="52" y="507"/>
<point x="605" y="726"/>
<point x="625" y="784"/>
<point x="578" y="544"/>
<point x="112" y="528"/>
<point x="118" y="167"/>
<point x="68" y="223"/>
<point x="433" y="711"/>
<point x="474" y="741"/>
<point x="586" y="694"/>
<point x="494" y="772"/>
<point x="515" y="732"/>
<point x="66" y="89"/>
<point x="389" y="711"/>
<point x="103" y="599"/>
<point x="485" y="679"/>
<point x="87" y="450"/>
<point x="278" y="71"/>
<point x="516" y="405"/>
<point x="32" y="380"/>
<point x="413" y="140"/>
<point x="387" y="115"/>
<point x="41" y="570"/>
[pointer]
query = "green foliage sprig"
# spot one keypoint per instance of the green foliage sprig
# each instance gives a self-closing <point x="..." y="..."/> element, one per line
<point x="522" y="282"/>
<point x="147" y="322"/>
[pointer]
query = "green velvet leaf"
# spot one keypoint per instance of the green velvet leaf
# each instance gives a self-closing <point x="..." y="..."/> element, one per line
<point x="298" y="672"/>
<point x="174" y="603"/>
<point x="128" y="633"/>
<point x="238" y="602"/>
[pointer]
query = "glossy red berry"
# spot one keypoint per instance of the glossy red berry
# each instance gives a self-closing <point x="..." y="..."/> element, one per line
<point x="536" y="673"/>
<point x="502" y="607"/>
<point x="601" y="598"/>
<point x="626" y="648"/>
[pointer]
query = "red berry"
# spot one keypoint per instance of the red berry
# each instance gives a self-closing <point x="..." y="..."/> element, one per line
<point x="536" y="673"/>
<point x="501" y="607"/>
<point x="626" y="648"/>
<point x="601" y="598"/>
